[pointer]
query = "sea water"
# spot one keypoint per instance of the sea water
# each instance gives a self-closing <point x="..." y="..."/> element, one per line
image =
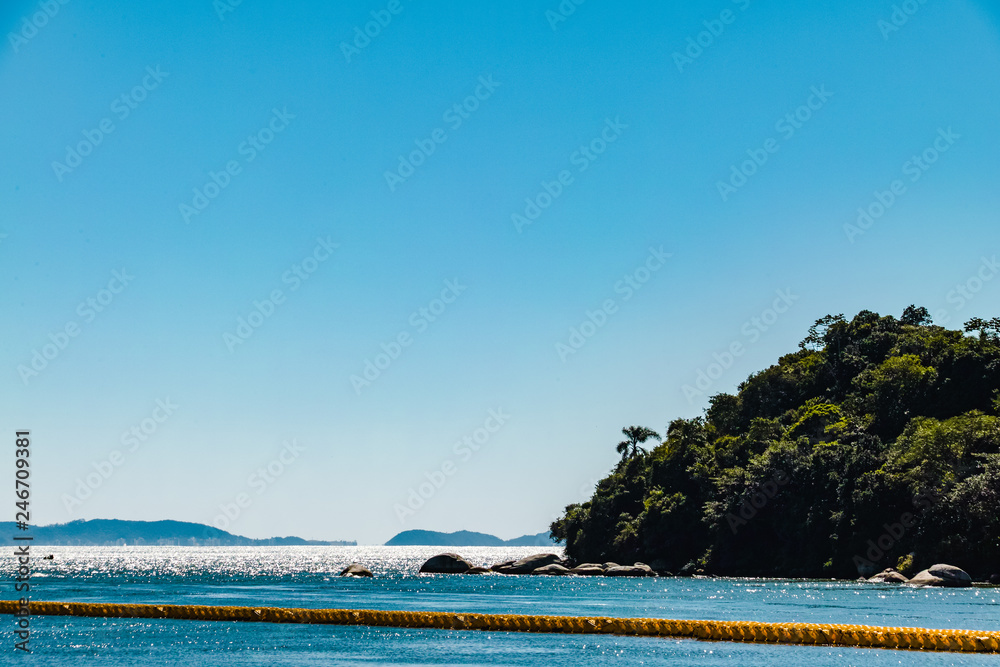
<point x="307" y="577"/>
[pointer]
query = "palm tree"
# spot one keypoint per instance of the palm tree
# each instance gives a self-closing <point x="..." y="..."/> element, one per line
<point x="636" y="435"/>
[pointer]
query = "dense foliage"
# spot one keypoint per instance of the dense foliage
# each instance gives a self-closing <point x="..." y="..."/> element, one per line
<point x="875" y="445"/>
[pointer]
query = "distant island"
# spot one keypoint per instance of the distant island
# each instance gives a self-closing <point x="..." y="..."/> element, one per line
<point x="465" y="538"/>
<point x="113" y="532"/>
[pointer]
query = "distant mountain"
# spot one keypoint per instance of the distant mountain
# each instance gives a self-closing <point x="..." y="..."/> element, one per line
<point x="537" y="540"/>
<point x="465" y="538"/>
<point x="112" y="532"/>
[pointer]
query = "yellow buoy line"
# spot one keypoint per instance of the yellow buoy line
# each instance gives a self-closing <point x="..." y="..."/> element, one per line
<point x="970" y="641"/>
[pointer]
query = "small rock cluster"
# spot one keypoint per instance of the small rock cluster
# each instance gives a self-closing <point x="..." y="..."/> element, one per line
<point x="936" y="575"/>
<point x="538" y="564"/>
<point x="553" y="565"/>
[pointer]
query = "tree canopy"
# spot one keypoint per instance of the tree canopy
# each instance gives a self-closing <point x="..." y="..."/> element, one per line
<point x="875" y="444"/>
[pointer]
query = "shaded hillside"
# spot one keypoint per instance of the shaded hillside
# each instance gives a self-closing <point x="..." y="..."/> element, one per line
<point x="877" y="439"/>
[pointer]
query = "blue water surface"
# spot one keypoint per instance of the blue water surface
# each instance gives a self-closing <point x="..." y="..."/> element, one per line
<point x="307" y="577"/>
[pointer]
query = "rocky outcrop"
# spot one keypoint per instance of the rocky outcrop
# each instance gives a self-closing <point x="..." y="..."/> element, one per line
<point x="356" y="570"/>
<point x="553" y="569"/>
<point x="637" y="570"/>
<point x="551" y="564"/>
<point x="942" y="575"/>
<point x="537" y="564"/>
<point x="888" y="576"/>
<point x="528" y="564"/>
<point x="446" y="564"/>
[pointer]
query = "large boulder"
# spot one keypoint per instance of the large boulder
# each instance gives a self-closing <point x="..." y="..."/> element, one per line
<point x="646" y="568"/>
<point x="629" y="571"/>
<point x="553" y="569"/>
<point x="942" y="575"/>
<point x="888" y="576"/>
<point x="588" y="570"/>
<point x="478" y="570"/>
<point x="529" y="564"/>
<point x="500" y="566"/>
<point x="356" y="570"/>
<point x="446" y="564"/>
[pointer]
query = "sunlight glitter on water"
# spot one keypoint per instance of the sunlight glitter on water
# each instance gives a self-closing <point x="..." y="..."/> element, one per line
<point x="307" y="577"/>
<point x="227" y="562"/>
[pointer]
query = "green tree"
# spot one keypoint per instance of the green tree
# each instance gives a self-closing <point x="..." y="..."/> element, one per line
<point x="817" y="332"/>
<point x="635" y="436"/>
<point x="988" y="329"/>
<point x="915" y="316"/>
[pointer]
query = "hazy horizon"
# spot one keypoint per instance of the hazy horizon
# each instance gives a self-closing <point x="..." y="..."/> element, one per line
<point x="265" y="271"/>
<point x="321" y="539"/>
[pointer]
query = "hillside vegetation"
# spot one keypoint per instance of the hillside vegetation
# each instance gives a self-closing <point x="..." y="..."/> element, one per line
<point x="876" y="444"/>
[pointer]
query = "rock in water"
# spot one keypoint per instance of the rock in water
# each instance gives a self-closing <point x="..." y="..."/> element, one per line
<point x="888" y="576"/>
<point x="629" y="571"/>
<point x="529" y="564"/>
<point x="478" y="570"/>
<point x="942" y="575"/>
<point x="645" y="568"/>
<point x="446" y="564"/>
<point x="356" y="570"/>
<point x="588" y="570"/>
<point x="995" y="579"/>
<point x="554" y="568"/>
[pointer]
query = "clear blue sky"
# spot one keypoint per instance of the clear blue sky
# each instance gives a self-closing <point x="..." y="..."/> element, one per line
<point x="660" y="133"/>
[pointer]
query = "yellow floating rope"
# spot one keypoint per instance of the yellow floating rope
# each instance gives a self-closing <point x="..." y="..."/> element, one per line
<point x="968" y="641"/>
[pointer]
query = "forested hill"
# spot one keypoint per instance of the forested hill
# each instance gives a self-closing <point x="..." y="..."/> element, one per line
<point x="876" y="444"/>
